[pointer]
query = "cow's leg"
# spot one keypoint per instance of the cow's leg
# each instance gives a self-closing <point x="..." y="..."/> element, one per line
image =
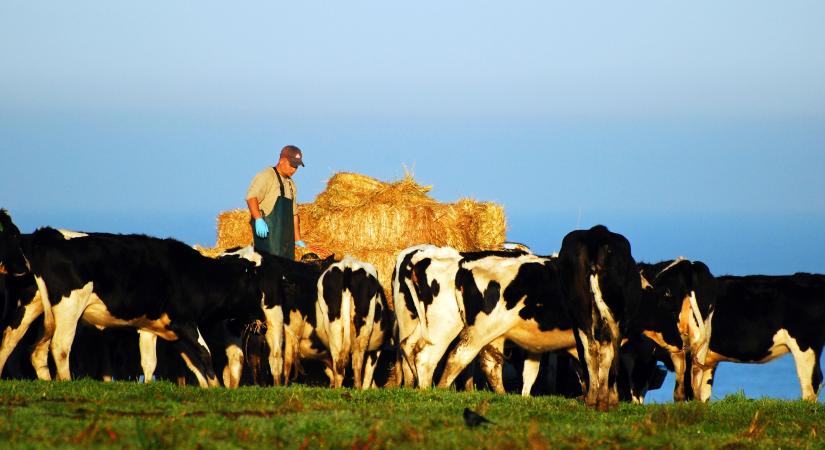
<point x="589" y="353"/>
<point x="148" y="342"/>
<point x="679" y="366"/>
<point x="15" y="331"/>
<point x="339" y="352"/>
<point x="605" y="368"/>
<point x="407" y="360"/>
<point x="66" y="315"/>
<point x="807" y="361"/>
<point x="329" y="371"/>
<point x="196" y="355"/>
<point x="428" y="358"/>
<point x="40" y="355"/>
<point x="234" y="363"/>
<point x="706" y="384"/>
<point x="291" y="343"/>
<point x="107" y="354"/>
<point x="530" y="372"/>
<point x="371" y="362"/>
<point x="275" y="341"/>
<point x="473" y="339"/>
<point x="613" y="376"/>
<point x="816" y="377"/>
<point x="408" y="348"/>
<point x="491" y="359"/>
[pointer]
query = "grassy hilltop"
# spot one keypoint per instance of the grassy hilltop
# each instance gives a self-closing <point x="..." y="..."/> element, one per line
<point x="161" y="415"/>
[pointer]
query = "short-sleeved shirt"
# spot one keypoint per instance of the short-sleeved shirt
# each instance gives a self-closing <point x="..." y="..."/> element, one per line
<point x="266" y="190"/>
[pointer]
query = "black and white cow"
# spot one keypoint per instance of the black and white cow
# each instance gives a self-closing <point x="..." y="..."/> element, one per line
<point x="157" y="285"/>
<point x="425" y="309"/>
<point x="603" y="289"/>
<point x="676" y="313"/>
<point x="353" y="319"/>
<point x="508" y="296"/>
<point x="759" y="318"/>
<point x="289" y="291"/>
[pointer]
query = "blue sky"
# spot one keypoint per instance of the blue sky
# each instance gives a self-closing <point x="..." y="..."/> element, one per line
<point x="693" y="128"/>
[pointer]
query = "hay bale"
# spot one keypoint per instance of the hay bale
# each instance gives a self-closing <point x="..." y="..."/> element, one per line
<point x="372" y="221"/>
<point x="360" y="212"/>
<point x="234" y="229"/>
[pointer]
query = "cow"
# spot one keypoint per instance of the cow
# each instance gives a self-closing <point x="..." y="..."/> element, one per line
<point x="602" y="288"/>
<point x="759" y="318"/>
<point x="508" y="296"/>
<point x="676" y="313"/>
<point x="424" y="293"/>
<point x="353" y="319"/>
<point x="157" y="285"/>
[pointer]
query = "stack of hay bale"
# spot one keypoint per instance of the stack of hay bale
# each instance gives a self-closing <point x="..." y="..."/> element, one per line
<point x="373" y="220"/>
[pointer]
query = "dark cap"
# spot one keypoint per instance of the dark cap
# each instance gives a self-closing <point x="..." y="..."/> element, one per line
<point x="293" y="155"/>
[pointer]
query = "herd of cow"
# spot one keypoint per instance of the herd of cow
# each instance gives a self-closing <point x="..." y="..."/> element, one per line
<point x="257" y="318"/>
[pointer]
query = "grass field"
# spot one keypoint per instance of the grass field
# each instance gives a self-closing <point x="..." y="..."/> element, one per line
<point x="161" y="415"/>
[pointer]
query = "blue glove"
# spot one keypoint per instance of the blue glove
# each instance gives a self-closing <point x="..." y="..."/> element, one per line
<point x="300" y="244"/>
<point x="260" y="228"/>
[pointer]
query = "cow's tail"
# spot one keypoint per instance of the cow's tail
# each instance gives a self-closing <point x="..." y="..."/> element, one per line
<point x="345" y="332"/>
<point x="697" y="313"/>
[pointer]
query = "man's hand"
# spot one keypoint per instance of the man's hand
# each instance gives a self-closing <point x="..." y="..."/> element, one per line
<point x="261" y="229"/>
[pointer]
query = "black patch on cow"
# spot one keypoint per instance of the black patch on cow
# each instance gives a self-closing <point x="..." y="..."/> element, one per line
<point x="333" y="288"/>
<point x="405" y="273"/>
<point x="422" y="286"/>
<point x="474" y="256"/>
<point x="435" y="288"/>
<point x="475" y="301"/>
<point x="18" y="292"/>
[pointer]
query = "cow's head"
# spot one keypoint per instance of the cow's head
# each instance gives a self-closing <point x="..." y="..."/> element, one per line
<point x="11" y="254"/>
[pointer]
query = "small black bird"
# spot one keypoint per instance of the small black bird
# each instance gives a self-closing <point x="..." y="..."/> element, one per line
<point x="473" y="419"/>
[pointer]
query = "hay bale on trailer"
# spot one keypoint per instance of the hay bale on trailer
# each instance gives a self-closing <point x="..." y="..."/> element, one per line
<point x="373" y="220"/>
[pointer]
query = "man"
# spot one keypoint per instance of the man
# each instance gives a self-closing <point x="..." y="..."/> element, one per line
<point x="273" y="205"/>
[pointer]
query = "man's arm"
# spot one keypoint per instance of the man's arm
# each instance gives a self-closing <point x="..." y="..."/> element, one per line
<point x="254" y="208"/>
<point x="297" y="227"/>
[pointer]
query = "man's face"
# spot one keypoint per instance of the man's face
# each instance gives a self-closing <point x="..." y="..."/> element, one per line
<point x="286" y="168"/>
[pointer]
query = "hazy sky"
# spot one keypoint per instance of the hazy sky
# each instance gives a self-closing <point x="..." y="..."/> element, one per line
<point x="693" y="127"/>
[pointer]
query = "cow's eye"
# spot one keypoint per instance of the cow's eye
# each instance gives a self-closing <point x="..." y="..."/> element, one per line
<point x="667" y="293"/>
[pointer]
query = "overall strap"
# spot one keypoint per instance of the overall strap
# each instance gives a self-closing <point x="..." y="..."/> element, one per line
<point x="280" y="181"/>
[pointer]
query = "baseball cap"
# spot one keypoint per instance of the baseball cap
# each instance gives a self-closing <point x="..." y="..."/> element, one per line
<point x="293" y="155"/>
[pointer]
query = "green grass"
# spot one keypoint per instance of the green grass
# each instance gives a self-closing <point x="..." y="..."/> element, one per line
<point x="160" y="415"/>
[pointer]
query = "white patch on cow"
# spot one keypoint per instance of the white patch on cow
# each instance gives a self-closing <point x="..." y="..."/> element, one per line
<point x="516" y="246"/>
<point x="671" y="265"/>
<point x="274" y="338"/>
<point x="601" y="306"/>
<point x="202" y="341"/>
<point x="645" y="284"/>
<point x="248" y="253"/>
<point x="529" y="373"/>
<point x="147" y="343"/>
<point x="66" y="314"/>
<point x="527" y="335"/>
<point x="68" y="234"/>
<point x="234" y="366"/>
<point x="201" y="378"/>
<point x="97" y="313"/>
